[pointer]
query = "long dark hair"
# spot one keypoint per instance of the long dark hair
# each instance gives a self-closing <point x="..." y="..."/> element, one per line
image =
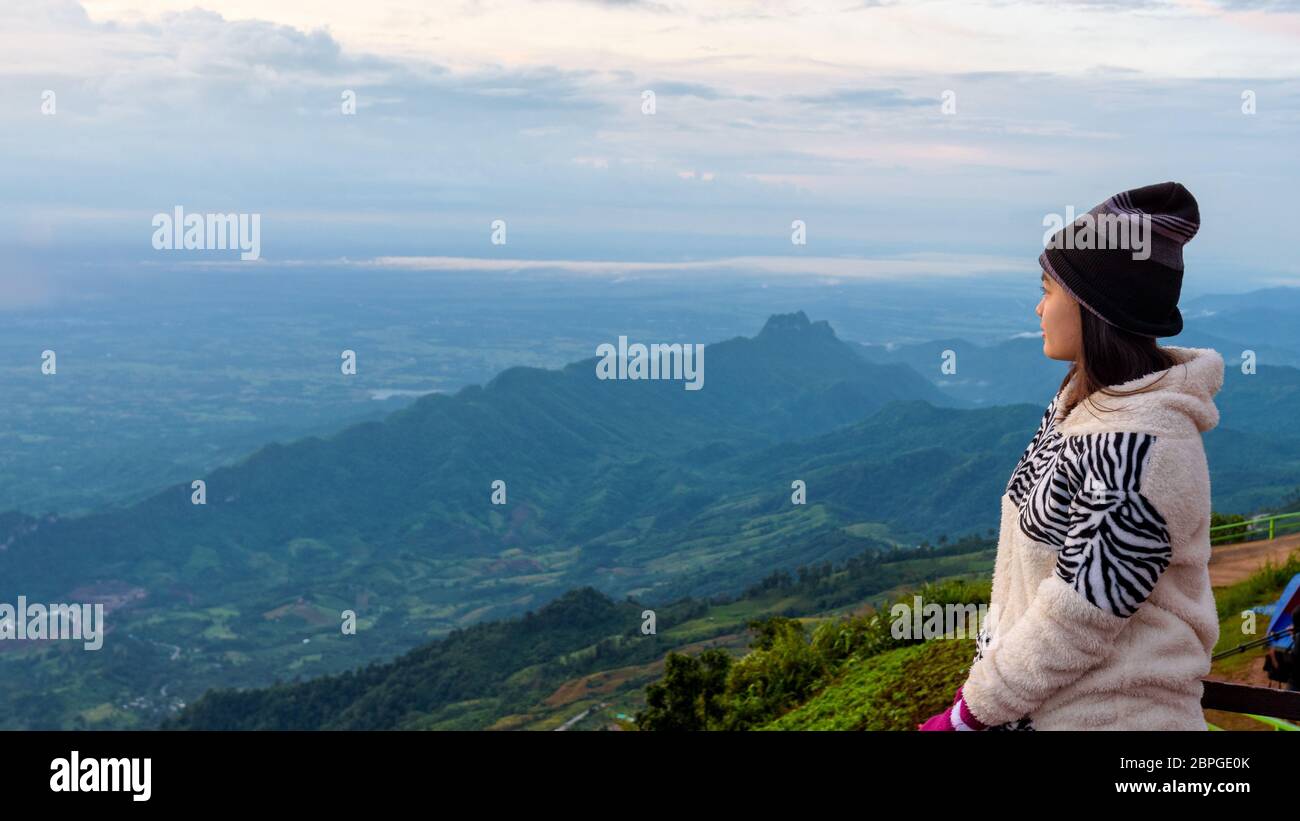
<point x="1111" y="356"/>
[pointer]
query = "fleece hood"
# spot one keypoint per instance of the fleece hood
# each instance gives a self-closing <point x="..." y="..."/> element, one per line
<point x="1178" y="402"/>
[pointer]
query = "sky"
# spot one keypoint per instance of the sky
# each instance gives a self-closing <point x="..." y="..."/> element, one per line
<point x="534" y="112"/>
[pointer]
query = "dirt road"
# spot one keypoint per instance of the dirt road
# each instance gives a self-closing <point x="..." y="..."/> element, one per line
<point x="1232" y="563"/>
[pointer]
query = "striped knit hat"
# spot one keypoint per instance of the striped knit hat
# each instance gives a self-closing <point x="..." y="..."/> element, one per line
<point x="1123" y="260"/>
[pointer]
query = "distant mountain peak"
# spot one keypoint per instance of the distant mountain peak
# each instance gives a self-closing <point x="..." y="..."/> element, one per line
<point x="797" y="323"/>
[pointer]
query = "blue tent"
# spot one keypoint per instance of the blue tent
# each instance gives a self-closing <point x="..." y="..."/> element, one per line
<point x="1286" y="605"/>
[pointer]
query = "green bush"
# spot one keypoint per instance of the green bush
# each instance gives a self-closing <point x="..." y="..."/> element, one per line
<point x="781" y="670"/>
<point x="785" y="668"/>
<point x="1229" y="535"/>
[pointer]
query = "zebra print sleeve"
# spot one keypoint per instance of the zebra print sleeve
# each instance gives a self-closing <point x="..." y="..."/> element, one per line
<point x="1111" y="545"/>
<point x="1116" y="543"/>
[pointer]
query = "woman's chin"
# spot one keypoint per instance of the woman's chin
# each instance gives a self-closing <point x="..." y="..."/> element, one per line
<point x="1050" y="352"/>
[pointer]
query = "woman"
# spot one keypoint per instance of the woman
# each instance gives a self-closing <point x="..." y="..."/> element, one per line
<point x="1102" y="615"/>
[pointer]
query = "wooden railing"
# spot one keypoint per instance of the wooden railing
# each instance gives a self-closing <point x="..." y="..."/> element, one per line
<point x="1264" y="704"/>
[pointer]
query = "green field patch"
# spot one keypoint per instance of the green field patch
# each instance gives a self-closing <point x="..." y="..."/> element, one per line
<point x="305" y="660"/>
<point x="218" y="631"/>
<point x="101" y="713"/>
<point x="302" y="609"/>
<point x="871" y="530"/>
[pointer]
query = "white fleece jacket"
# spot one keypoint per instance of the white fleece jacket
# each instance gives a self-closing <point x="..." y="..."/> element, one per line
<point x="1102" y="616"/>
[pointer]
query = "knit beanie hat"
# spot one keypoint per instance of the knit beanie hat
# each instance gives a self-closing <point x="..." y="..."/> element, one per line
<point x="1123" y="260"/>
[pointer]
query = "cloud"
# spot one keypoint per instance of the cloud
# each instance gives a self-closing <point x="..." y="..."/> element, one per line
<point x="869" y="97"/>
<point x="1270" y="6"/>
<point x="243" y="115"/>
<point x="907" y="266"/>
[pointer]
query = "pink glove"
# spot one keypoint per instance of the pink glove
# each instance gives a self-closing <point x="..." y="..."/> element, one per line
<point x="955" y="718"/>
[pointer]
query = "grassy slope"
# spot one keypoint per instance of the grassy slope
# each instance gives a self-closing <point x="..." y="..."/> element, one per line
<point x="899" y="688"/>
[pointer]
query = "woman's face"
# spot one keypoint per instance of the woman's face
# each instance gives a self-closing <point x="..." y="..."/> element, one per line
<point x="1061" y="324"/>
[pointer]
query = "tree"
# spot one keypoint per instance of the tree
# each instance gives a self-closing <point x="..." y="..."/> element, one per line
<point x="689" y="695"/>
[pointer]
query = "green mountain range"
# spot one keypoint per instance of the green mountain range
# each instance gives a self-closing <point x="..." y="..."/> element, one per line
<point x="640" y="490"/>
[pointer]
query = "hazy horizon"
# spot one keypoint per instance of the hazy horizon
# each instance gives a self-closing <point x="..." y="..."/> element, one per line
<point x="916" y="143"/>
